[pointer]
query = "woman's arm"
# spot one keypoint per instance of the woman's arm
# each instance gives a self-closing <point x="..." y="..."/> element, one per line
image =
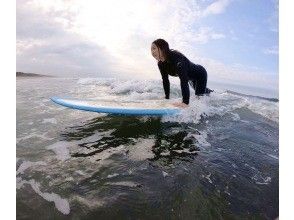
<point x="182" y="70"/>
<point x="165" y="80"/>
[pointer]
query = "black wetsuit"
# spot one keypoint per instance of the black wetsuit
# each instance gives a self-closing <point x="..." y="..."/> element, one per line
<point x="177" y="64"/>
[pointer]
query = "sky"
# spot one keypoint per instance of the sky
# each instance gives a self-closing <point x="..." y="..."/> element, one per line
<point x="235" y="40"/>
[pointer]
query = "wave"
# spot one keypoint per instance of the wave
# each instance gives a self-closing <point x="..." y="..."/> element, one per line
<point x="252" y="96"/>
<point x="220" y="102"/>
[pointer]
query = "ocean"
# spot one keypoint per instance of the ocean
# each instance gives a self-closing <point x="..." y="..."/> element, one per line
<point x="218" y="159"/>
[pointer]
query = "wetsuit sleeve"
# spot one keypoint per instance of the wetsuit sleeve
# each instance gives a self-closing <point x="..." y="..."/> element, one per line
<point x="182" y="70"/>
<point x="165" y="80"/>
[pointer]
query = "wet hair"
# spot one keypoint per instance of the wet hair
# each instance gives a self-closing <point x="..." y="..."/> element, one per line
<point x="163" y="46"/>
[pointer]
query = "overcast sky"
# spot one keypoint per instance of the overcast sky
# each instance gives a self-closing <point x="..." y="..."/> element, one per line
<point x="235" y="40"/>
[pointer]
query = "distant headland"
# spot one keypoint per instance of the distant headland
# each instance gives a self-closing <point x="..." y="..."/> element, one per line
<point x="21" y="74"/>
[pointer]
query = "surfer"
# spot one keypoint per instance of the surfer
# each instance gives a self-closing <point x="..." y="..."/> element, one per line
<point x="172" y="62"/>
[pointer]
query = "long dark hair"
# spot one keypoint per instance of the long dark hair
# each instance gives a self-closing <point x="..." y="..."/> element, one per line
<point x="163" y="46"/>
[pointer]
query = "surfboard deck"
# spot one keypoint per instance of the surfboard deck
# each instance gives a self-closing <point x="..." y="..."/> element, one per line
<point x="146" y="107"/>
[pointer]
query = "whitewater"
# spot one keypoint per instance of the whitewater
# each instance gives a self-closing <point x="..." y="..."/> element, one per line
<point x="221" y="151"/>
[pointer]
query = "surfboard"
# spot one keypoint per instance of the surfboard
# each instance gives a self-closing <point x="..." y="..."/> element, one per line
<point x="144" y="107"/>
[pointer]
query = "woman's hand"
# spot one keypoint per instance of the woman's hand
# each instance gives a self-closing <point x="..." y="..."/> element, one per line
<point x="180" y="104"/>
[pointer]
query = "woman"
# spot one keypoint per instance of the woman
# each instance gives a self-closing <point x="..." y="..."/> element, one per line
<point x="172" y="62"/>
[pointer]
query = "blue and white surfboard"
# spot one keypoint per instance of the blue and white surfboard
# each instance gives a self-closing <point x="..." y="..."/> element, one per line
<point x="146" y="107"/>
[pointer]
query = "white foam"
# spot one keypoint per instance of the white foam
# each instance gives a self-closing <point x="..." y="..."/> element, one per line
<point x="206" y="106"/>
<point x="164" y="174"/>
<point x="107" y="153"/>
<point x="185" y="150"/>
<point x="69" y="179"/>
<point x="235" y="116"/>
<point x="19" y="182"/>
<point x="258" y="177"/>
<point x="142" y="150"/>
<point x="136" y="89"/>
<point x="85" y="81"/>
<point x="165" y="153"/>
<point x="49" y="120"/>
<point x="80" y="172"/>
<point x="97" y="136"/>
<point x="273" y="156"/>
<point x="112" y="175"/>
<point x="262" y="180"/>
<point x="61" y="149"/>
<point x="27" y="164"/>
<point x="33" y="135"/>
<point x="207" y="177"/>
<point x="123" y="183"/>
<point x="227" y="190"/>
<point x="199" y="136"/>
<point x="93" y="203"/>
<point x="218" y="103"/>
<point x="267" y="109"/>
<point x="61" y="204"/>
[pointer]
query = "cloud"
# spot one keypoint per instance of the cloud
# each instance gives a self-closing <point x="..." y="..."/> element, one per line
<point x="74" y="37"/>
<point x="271" y="51"/>
<point x="125" y="32"/>
<point x="58" y="57"/>
<point x="203" y="35"/>
<point x="46" y="46"/>
<point x="216" y="7"/>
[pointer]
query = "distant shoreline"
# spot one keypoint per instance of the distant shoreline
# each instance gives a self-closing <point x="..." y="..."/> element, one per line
<point x="253" y="96"/>
<point x="22" y="74"/>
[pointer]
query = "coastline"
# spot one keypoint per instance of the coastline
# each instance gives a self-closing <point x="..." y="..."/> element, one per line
<point x="30" y="75"/>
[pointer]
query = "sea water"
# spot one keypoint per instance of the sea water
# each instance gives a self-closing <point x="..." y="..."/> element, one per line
<point x="218" y="159"/>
